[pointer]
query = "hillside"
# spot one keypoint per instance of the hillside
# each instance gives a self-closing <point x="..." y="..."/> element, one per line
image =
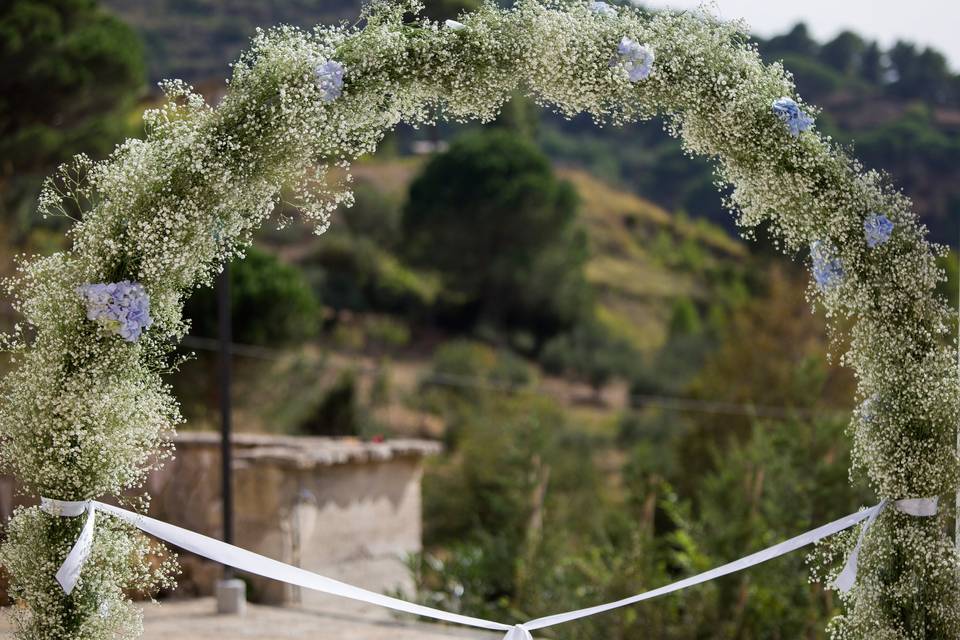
<point x="643" y="263"/>
<point x="899" y="108"/>
<point x="196" y="39"/>
<point x="642" y="258"/>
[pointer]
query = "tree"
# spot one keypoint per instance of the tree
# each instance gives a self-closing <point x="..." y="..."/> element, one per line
<point x="784" y="478"/>
<point x="797" y="41"/>
<point x="921" y="74"/>
<point x="773" y="353"/>
<point x="844" y="53"/>
<point x="68" y="70"/>
<point x="873" y="65"/>
<point x="493" y="220"/>
<point x="589" y="353"/>
<point x="447" y="9"/>
<point x="271" y="301"/>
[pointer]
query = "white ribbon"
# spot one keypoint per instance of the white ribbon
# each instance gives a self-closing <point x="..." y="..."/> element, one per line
<point x="233" y="556"/>
<point x="227" y="554"/>
<point x="919" y="507"/>
<point x="519" y="632"/>
<point x="69" y="571"/>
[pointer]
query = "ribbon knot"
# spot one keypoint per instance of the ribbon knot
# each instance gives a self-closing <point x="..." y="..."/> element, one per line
<point x="918" y="507"/>
<point x="69" y="572"/>
<point x="518" y="632"/>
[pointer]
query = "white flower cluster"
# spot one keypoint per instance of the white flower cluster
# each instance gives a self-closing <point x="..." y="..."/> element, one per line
<point x="86" y="415"/>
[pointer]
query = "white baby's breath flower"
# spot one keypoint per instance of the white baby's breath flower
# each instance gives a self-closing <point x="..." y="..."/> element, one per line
<point x="84" y="415"/>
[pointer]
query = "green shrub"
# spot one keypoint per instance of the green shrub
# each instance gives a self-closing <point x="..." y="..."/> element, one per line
<point x="337" y="413"/>
<point x="350" y="272"/>
<point x="272" y="304"/>
<point x="387" y="332"/>
<point x="589" y="353"/>
<point x="473" y="367"/>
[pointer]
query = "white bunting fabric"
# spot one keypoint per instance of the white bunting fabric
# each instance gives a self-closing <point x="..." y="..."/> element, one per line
<point x="223" y="553"/>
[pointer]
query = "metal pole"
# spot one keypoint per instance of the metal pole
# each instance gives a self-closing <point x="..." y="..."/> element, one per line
<point x="226" y="451"/>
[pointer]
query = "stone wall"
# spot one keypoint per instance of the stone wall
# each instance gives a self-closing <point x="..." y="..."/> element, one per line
<point x="348" y="509"/>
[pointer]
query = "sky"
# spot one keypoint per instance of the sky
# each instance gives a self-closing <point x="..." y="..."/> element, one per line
<point x="926" y="22"/>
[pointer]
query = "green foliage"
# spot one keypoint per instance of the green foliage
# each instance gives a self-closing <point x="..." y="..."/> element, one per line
<point x="373" y="215"/>
<point x="922" y="74"/>
<point x="684" y="318"/>
<point x="337" y="413"/>
<point x="792" y="372"/>
<point x="386" y="332"/>
<point x="589" y="353"/>
<point x="352" y="272"/>
<point x="819" y="81"/>
<point x="492" y="219"/>
<point x="495" y="513"/>
<point x="69" y="69"/>
<point x="464" y="374"/>
<point x="797" y="41"/>
<point x="218" y="30"/>
<point x="520" y="116"/>
<point x="508" y="537"/>
<point x="271" y="303"/>
<point x="845" y="53"/>
<point x="472" y="368"/>
<point x="440" y="10"/>
<point x="381" y="390"/>
<point x="784" y="478"/>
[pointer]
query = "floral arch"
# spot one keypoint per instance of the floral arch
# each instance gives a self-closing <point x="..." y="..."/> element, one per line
<point x="86" y="414"/>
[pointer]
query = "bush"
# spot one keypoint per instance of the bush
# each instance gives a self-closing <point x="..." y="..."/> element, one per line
<point x="337" y="413"/>
<point x="497" y="508"/>
<point x="684" y="318"/>
<point x="354" y="273"/>
<point x="590" y="354"/>
<point x="387" y="332"/>
<point x="272" y="304"/>
<point x="69" y="70"/>
<point x="470" y="367"/>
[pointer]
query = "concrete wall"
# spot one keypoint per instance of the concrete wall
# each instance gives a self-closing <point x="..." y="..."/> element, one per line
<point x="348" y="509"/>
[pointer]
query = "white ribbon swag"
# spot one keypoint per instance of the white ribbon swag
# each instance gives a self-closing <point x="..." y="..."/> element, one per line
<point x="69" y="572"/>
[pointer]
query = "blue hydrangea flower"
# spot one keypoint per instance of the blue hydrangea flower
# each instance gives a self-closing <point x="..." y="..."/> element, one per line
<point x="122" y="308"/>
<point x="877" y="229"/>
<point x="329" y="76"/>
<point x="603" y="9"/>
<point x="827" y="267"/>
<point x="635" y="58"/>
<point x="792" y="115"/>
